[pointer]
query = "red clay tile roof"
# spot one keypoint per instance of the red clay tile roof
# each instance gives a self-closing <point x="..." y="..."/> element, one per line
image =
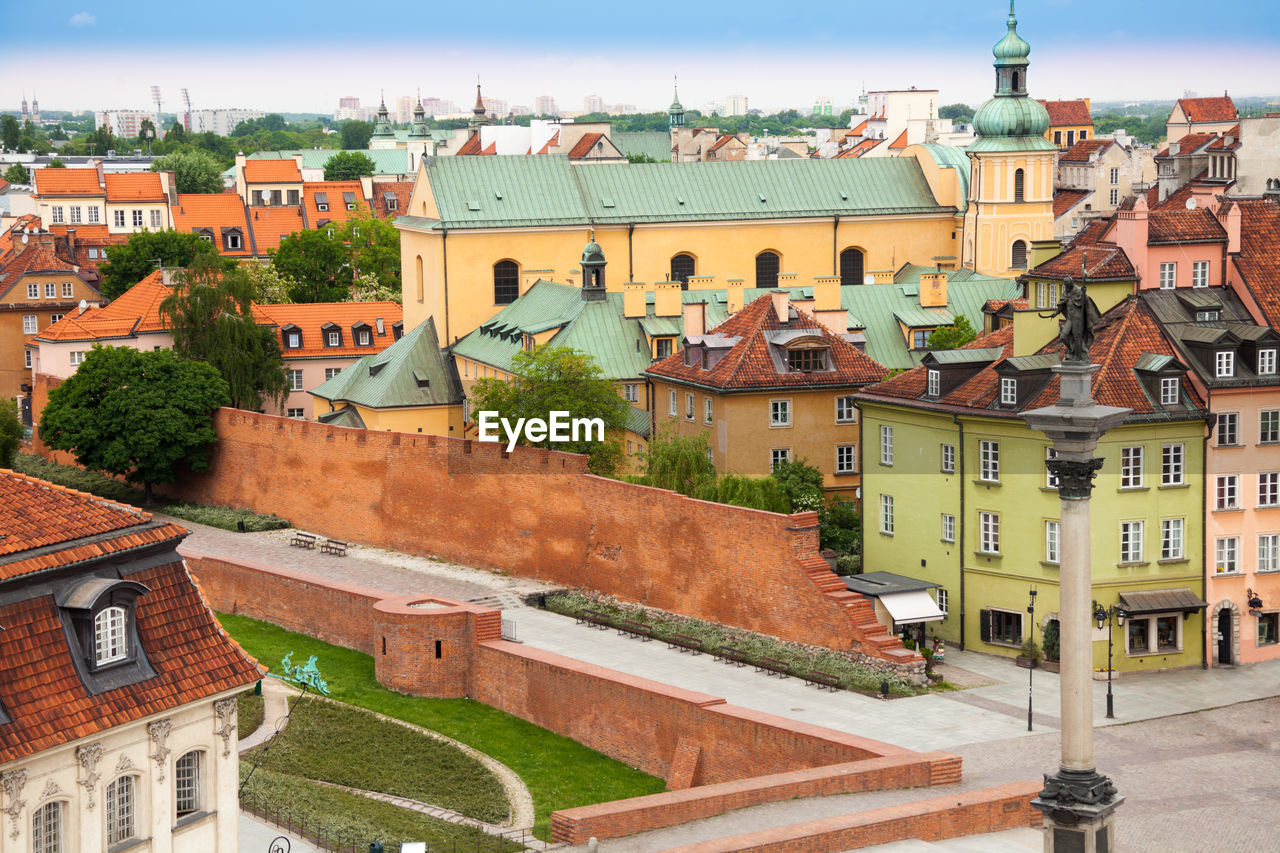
<point x="1079" y="153"/>
<point x="993" y="305"/>
<point x="335" y="192"/>
<point x="272" y="172"/>
<point x="553" y="142"/>
<point x="134" y="186"/>
<point x="1064" y="200"/>
<point x="1208" y="109"/>
<point x="36" y="514"/>
<point x="859" y="130"/>
<point x="861" y="148"/>
<point x="1259" y="260"/>
<point x="1068" y="113"/>
<point x="270" y="224"/>
<point x="11" y="236"/>
<point x="1174" y="224"/>
<point x="310" y="317"/>
<point x="402" y="191"/>
<point x="470" y="147"/>
<point x="67" y="182"/>
<point x="39" y="256"/>
<point x="900" y="142"/>
<point x="491" y="151"/>
<point x="749" y="364"/>
<point x="137" y="310"/>
<point x="1086" y="257"/>
<point x="214" y="211"/>
<point x="584" y="145"/>
<point x="1220" y="144"/>
<point x="1189" y="144"/>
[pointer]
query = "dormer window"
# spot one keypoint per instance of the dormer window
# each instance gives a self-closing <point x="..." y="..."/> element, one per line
<point x="362" y="334"/>
<point x="333" y="339"/>
<point x="292" y="337"/>
<point x="350" y="200"/>
<point x="100" y="617"/>
<point x="1008" y="391"/>
<point x="232" y="239"/>
<point x="397" y="329"/>
<point x="1266" y="362"/>
<point x="806" y="360"/>
<point x="391" y="201"/>
<point x="110" y="642"/>
<point x="322" y="201"/>
<point x="1207" y="316"/>
<point x="205" y="234"/>
<point x="1225" y="364"/>
<point x="1170" y="391"/>
<point x="933" y="382"/>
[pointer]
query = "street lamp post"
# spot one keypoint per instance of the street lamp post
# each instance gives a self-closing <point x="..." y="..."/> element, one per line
<point x="1108" y="616"/>
<point x="1031" y="651"/>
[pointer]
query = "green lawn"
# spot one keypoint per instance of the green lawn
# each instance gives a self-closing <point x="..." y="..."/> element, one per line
<point x="352" y="747"/>
<point x="249" y="713"/>
<point x="559" y="772"/>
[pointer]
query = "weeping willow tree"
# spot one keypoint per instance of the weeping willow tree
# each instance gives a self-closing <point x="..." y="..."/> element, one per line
<point x="210" y="314"/>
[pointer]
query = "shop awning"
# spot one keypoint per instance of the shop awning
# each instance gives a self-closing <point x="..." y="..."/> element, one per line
<point x="910" y="607"/>
<point x="1180" y="599"/>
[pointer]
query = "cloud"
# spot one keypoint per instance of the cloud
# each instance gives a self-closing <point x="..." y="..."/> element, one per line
<point x="82" y="19"/>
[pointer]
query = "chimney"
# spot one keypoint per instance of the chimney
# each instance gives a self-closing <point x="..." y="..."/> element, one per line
<point x="933" y="290"/>
<point x="71" y="242"/>
<point x="695" y="318"/>
<point x="1131" y="232"/>
<point x="633" y="299"/>
<point x="781" y="305"/>
<point x="735" y="295"/>
<point x="666" y="298"/>
<point x="826" y="293"/>
<point x="881" y="276"/>
<point x="1232" y="226"/>
<point x="835" y="321"/>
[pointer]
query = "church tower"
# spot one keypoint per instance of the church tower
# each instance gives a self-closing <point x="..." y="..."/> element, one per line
<point x="675" y="118"/>
<point x="1010" y="169"/>
<point x="478" y="117"/>
<point x="593" y="289"/>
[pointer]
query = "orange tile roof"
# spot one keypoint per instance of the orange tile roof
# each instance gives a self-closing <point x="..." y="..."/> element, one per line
<point x="134" y="186"/>
<point x="1068" y="113"/>
<point x="859" y="130"/>
<point x="1208" y="109"/>
<point x="1064" y="200"/>
<point x="901" y="141"/>
<point x="1259" y="260"/>
<point x="270" y="224"/>
<point x="491" y="151"/>
<point x="471" y="146"/>
<point x="214" y="211"/>
<point x="750" y="363"/>
<point x="136" y="311"/>
<point x="310" y="317"/>
<point x="8" y="235"/>
<point x="584" y="145"/>
<point x="83" y="232"/>
<point x="402" y="191"/>
<point x="553" y="142"/>
<point x="335" y="192"/>
<point x="1079" y="153"/>
<point x="36" y="514"/>
<point x="272" y="172"/>
<point x="1170" y="224"/>
<point x="861" y="148"/>
<point x="39" y="256"/>
<point x="67" y="182"/>
<point x="1189" y="144"/>
<point x="1220" y="144"/>
<point x="1088" y="257"/>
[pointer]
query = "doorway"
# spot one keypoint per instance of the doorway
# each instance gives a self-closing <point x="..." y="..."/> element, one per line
<point x="1224" y="637"/>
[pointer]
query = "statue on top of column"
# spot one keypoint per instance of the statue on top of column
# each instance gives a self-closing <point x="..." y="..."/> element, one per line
<point x="1080" y="316"/>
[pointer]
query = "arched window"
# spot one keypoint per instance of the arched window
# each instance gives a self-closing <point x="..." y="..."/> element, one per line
<point x="187" y="785"/>
<point x="1019" y="185"/>
<point x="46" y="829"/>
<point x="851" y="266"/>
<point x="121" y="810"/>
<point x="506" y="282"/>
<point x="1016" y="78"/>
<point x="109" y="641"/>
<point x="1018" y="257"/>
<point x="767" y="266"/>
<point x="682" y="266"/>
<point x="418" y="269"/>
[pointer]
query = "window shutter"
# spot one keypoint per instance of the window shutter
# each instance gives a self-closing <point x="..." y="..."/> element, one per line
<point x="984" y="625"/>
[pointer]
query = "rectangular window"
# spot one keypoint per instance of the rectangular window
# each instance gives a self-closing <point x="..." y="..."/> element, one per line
<point x="296" y="414"/>
<point x="118" y="218"/>
<point x="1171" y="530"/>
<point x="295" y="380"/>
<point x="93" y="213"/>
<point x="1225" y="363"/>
<point x="1228" y="429"/>
<point x="708" y="410"/>
<point x="68" y="290"/>
<point x="688" y="406"/>
<point x="1268" y="629"/>
<point x="57" y="215"/>
<point x="663" y="346"/>
<point x="1227" y="493"/>
<point x="845" y="458"/>
<point x="1168" y="275"/>
<point x="779" y="413"/>
<point x="778" y="456"/>
<point x="989" y="532"/>
<point x="1269" y="426"/>
<point x="137" y="219"/>
<point x="1051" y="540"/>
<point x="845" y="411"/>
<point x="330" y="372"/>
<point x="1269" y="488"/>
<point x="886" y="445"/>
<point x="631" y="392"/>
<point x="1268" y="552"/>
<point x="673" y="405"/>
<point x="1226" y="550"/>
<point x="886" y="514"/>
<point x="933" y="382"/>
<point x="948" y="527"/>
<point x="120" y="797"/>
<point x="33" y="291"/>
<point x="1115" y="176"/>
<point x="1131" y="467"/>
<point x="29" y="324"/>
<point x="156" y="219"/>
<point x="77" y="357"/>
<point x="1266" y="362"/>
<point x="50" y="290"/>
<point x="989" y="461"/>
<point x="942" y="600"/>
<point x="46" y="829"/>
<point x="1167" y="633"/>
<point x="75" y="214"/>
<point x="948" y="459"/>
<point x="186" y="784"/>
<point x="806" y="360"/>
<point x="1008" y="391"/>
<point x="1171" y="464"/>
<point x="53" y="318"/>
<point x="1131" y="541"/>
<point x="1115" y="197"/>
<point x="27" y="355"/>
<point x="1002" y="626"/>
<point x="1200" y="274"/>
<point x="1137" y="636"/>
<point x="1170" y="391"/>
<point x="333" y="339"/>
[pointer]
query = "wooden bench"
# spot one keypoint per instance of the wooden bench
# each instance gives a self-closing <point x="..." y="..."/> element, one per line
<point x="597" y="618"/>
<point x="823" y="680"/>
<point x="685" y="643"/>
<point x="732" y="655"/>
<point x="303" y="540"/>
<point x="335" y="547"/>
<point x="635" y="629"/>
<point x="773" y="666"/>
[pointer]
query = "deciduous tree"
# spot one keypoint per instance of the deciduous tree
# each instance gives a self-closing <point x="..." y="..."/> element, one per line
<point x="131" y="262"/>
<point x="356" y="134"/>
<point x="318" y="264"/>
<point x="17" y="174"/>
<point x="953" y="336"/>
<point x="195" y="171"/>
<point x="347" y="166"/>
<point x="10" y="432"/>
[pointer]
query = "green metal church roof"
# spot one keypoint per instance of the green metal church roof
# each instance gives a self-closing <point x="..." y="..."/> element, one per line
<point x="411" y="372"/>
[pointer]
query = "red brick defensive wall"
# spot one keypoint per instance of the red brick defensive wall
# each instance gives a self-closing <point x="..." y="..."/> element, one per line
<point x="537" y="513"/>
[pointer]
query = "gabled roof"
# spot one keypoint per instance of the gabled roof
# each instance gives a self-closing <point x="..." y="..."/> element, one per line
<point x="1208" y="109"/>
<point x="134" y="186"/>
<point x="1088" y="257"/>
<point x="1189" y="144"/>
<point x="67" y="182"/>
<point x="858" y="150"/>
<point x="339" y="194"/>
<point x="272" y="172"/>
<point x="901" y="141"/>
<point x="1259" y="260"/>
<point x="214" y="211"/>
<point x="655" y="144"/>
<point x="38" y="256"/>
<point x="1170" y="224"/>
<point x="1081" y="151"/>
<point x="1221" y="144"/>
<point x="271" y="224"/>
<point x="470" y="147"/>
<point x="553" y="142"/>
<point x="136" y="311"/>
<point x="584" y="145"/>
<point x="758" y="360"/>
<point x="1177" y="311"/>
<point x="401" y="191"/>
<point x="310" y="317"/>
<point x="1068" y="113"/>
<point x="37" y="514"/>
<point x="413" y="371"/>
<point x="1064" y="200"/>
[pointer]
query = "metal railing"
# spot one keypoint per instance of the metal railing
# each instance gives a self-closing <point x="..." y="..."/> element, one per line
<point x="509" y="630"/>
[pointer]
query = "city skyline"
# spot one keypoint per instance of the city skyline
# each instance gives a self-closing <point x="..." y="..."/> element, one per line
<point x="776" y="63"/>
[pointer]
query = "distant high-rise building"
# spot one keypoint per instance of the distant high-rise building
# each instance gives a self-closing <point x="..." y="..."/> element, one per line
<point x="348" y="109"/>
<point x="124" y="123"/>
<point x="404" y="109"/>
<point x="221" y="122"/>
<point x="593" y="104"/>
<point x="521" y="110"/>
<point x="545" y="105"/>
<point x="735" y="105"/>
<point x="495" y="106"/>
<point x="439" y="106"/>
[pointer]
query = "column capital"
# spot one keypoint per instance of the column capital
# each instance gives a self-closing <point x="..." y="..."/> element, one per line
<point x="1075" y="477"/>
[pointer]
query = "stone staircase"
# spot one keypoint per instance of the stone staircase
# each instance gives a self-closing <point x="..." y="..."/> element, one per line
<point x="499" y="601"/>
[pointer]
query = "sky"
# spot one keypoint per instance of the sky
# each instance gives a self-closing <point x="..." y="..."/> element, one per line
<point x="301" y="58"/>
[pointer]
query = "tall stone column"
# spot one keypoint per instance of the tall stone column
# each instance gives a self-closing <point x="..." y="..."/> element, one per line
<point x="1078" y="803"/>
